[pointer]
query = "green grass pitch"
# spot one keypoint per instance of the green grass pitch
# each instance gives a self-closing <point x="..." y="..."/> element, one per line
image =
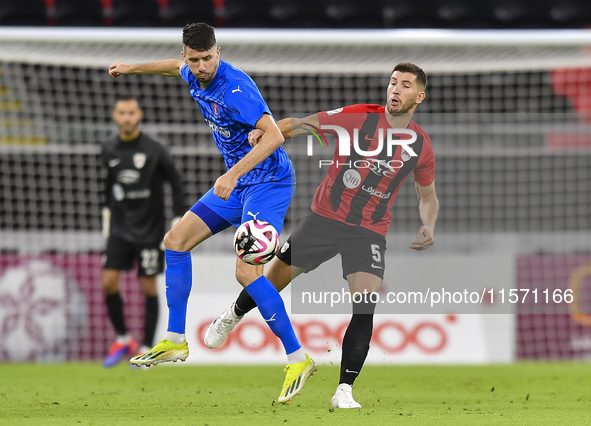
<point x="87" y="394"/>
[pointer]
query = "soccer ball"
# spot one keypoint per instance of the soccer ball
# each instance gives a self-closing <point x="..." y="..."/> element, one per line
<point x="256" y="242"/>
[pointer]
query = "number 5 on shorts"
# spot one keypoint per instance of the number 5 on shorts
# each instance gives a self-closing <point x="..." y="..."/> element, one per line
<point x="375" y="253"/>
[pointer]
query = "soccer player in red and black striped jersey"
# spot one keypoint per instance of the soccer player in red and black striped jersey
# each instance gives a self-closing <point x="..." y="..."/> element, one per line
<point x="351" y="209"/>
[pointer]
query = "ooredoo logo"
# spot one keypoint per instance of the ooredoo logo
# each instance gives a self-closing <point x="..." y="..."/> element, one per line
<point x="392" y="337"/>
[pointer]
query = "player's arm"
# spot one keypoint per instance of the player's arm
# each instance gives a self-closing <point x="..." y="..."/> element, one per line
<point x="106" y="211"/>
<point x="289" y="127"/>
<point x="173" y="177"/>
<point x="292" y="127"/>
<point x="166" y="68"/>
<point x="428" y="210"/>
<point x="268" y="143"/>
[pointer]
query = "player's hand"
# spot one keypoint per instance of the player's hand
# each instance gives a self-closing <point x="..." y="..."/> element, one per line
<point x="255" y="136"/>
<point x="424" y="239"/>
<point x="118" y="69"/>
<point x="224" y="186"/>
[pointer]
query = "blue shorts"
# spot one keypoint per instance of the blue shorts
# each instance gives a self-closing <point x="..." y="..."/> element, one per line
<point x="267" y="201"/>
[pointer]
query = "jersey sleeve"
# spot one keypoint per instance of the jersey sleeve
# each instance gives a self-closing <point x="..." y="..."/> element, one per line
<point x="186" y="73"/>
<point x="247" y="102"/>
<point x="342" y="117"/>
<point x="106" y="177"/>
<point x="176" y="182"/>
<point x="424" y="173"/>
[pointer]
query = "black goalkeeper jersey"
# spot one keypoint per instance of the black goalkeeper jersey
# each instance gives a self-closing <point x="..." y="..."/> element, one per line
<point x="134" y="188"/>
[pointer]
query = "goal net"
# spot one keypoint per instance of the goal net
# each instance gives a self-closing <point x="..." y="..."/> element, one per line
<point x="508" y="114"/>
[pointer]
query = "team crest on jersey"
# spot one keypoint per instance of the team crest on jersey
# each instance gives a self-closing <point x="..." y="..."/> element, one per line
<point x="139" y="160"/>
<point x="216" y="109"/>
<point x="405" y="155"/>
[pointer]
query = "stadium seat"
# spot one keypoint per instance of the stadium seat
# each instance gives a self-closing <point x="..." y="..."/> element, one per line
<point x="79" y="13"/>
<point x="522" y="13"/>
<point x="248" y="13"/>
<point x="19" y="12"/>
<point x="135" y="13"/>
<point x="467" y="14"/>
<point x="412" y="14"/>
<point x="571" y="13"/>
<point x="355" y="14"/>
<point x="182" y="12"/>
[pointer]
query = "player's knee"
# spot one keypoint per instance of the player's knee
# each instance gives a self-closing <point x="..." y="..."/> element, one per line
<point x="241" y="277"/>
<point x="149" y="287"/>
<point x="279" y="274"/>
<point x="168" y="241"/>
<point x="245" y="276"/>
<point x="110" y="285"/>
<point x="174" y="241"/>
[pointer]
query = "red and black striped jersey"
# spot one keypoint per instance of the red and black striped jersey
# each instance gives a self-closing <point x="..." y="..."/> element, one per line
<point x="359" y="190"/>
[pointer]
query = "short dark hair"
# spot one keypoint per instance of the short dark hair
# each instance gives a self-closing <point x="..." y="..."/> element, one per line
<point x="412" y="69"/>
<point x="199" y="36"/>
<point x="125" y="97"/>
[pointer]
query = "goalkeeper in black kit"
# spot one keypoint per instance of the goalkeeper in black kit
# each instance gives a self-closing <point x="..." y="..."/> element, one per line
<point x="134" y="220"/>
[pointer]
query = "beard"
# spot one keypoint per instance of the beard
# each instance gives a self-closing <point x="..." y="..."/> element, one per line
<point x="129" y="129"/>
<point x="403" y="108"/>
<point x="207" y="78"/>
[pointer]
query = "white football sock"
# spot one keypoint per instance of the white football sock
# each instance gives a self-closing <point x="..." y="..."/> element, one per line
<point x="124" y="339"/>
<point x="296" y="357"/>
<point x="176" y="338"/>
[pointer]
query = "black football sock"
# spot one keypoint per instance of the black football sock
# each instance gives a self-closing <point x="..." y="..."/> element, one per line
<point x="150" y="320"/>
<point x="244" y="303"/>
<point x="356" y="341"/>
<point x="115" y="309"/>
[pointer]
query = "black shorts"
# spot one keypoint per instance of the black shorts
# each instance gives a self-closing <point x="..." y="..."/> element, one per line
<point x="318" y="239"/>
<point x="121" y="255"/>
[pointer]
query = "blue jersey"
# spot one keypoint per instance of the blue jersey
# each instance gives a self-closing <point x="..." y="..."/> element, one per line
<point x="232" y="104"/>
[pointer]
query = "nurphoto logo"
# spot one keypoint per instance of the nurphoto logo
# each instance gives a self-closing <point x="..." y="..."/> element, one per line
<point x="378" y="166"/>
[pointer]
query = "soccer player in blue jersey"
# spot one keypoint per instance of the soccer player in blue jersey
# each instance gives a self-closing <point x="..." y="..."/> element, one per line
<point x="258" y="181"/>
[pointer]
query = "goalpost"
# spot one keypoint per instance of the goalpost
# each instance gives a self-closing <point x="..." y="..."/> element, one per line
<point x="508" y="113"/>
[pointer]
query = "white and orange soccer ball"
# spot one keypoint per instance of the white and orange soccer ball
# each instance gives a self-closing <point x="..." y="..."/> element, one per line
<point x="256" y="242"/>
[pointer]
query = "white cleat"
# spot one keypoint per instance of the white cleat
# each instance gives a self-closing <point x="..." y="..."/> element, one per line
<point x="218" y="330"/>
<point x="343" y="397"/>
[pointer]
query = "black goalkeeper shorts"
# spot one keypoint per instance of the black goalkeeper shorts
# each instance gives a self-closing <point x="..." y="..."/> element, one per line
<point x="318" y="239"/>
<point x="121" y="255"/>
